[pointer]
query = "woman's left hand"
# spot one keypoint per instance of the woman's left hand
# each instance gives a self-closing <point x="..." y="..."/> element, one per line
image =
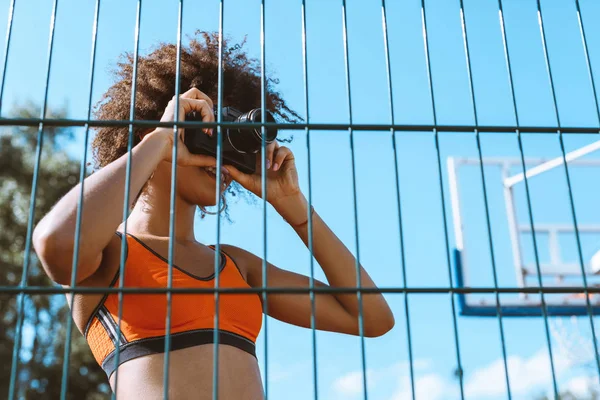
<point x="282" y="176"/>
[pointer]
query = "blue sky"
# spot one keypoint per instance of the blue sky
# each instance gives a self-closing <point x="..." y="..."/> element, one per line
<point x="339" y="359"/>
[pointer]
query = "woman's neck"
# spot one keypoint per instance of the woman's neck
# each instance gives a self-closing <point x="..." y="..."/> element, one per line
<point x="151" y="216"/>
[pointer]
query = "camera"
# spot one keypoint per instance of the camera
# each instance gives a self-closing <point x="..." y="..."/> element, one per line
<point x="240" y="145"/>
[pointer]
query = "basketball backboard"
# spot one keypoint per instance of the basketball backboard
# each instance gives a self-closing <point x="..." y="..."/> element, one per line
<point x="557" y="260"/>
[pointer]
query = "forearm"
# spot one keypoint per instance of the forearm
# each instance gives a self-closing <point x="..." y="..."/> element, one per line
<point x="103" y="198"/>
<point x="338" y="263"/>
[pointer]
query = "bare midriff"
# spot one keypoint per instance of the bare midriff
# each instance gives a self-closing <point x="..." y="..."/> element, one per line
<point x="190" y="375"/>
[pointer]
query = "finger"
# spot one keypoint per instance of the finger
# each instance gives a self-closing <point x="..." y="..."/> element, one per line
<point x="185" y="158"/>
<point x="243" y="179"/>
<point x="195" y="93"/>
<point x="199" y="160"/>
<point x="269" y="156"/>
<point x="280" y="157"/>
<point x="188" y="105"/>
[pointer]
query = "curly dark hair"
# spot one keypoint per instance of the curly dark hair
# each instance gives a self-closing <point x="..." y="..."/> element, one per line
<point x="155" y="87"/>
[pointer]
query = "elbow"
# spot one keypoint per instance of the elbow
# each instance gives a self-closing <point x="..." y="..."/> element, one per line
<point x="381" y="326"/>
<point x="48" y="254"/>
<point x="55" y="255"/>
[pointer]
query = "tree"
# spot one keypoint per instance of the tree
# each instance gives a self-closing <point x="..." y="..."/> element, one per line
<point x="567" y="395"/>
<point x="44" y="329"/>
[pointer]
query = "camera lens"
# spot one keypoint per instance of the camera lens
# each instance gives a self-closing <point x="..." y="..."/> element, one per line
<point x="249" y="140"/>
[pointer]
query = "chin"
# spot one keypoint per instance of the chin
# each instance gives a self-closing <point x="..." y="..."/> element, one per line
<point x="201" y="188"/>
<point x="205" y="196"/>
<point x="206" y="203"/>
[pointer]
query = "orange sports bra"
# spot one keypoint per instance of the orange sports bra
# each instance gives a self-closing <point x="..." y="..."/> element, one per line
<point x="142" y="331"/>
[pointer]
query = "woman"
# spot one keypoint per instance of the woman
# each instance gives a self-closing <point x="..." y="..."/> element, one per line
<point x="141" y="335"/>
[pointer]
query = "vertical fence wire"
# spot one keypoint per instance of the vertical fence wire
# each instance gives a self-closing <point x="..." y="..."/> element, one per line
<point x="597" y="108"/>
<point x="569" y="186"/>
<point x="442" y="198"/>
<point x="588" y="62"/>
<point x="32" y="202"/>
<point x="215" y="388"/>
<point x="13" y="389"/>
<point x="69" y="329"/>
<point x="126" y="201"/>
<point x="527" y="196"/>
<point x="398" y="196"/>
<point x="485" y="196"/>
<point x="174" y="164"/>
<point x="263" y="183"/>
<point x="311" y="282"/>
<point x="361" y="328"/>
<point x="11" y="13"/>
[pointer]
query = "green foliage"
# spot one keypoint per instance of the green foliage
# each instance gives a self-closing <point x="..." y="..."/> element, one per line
<point x="567" y="395"/>
<point x="44" y="330"/>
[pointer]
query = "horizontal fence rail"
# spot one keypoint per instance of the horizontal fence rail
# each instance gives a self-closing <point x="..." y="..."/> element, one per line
<point x="301" y="126"/>
<point x="543" y="305"/>
<point x="296" y="290"/>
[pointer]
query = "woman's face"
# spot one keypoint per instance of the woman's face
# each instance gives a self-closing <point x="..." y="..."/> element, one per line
<point x="195" y="185"/>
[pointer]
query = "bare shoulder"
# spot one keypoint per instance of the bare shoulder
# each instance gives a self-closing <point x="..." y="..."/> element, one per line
<point x="244" y="260"/>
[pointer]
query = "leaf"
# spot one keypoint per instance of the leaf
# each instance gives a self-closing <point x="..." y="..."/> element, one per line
<point x="40" y="369"/>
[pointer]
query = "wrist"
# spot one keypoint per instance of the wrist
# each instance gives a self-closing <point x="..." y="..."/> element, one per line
<point x="293" y="209"/>
<point x="163" y="138"/>
<point x="307" y="219"/>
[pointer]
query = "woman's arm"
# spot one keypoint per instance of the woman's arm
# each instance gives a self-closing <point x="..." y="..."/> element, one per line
<point x="104" y="195"/>
<point x="334" y="311"/>
<point x="339" y="266"/>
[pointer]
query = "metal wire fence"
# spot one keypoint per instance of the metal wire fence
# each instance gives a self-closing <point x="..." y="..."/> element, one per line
<point x="456" y="288"/>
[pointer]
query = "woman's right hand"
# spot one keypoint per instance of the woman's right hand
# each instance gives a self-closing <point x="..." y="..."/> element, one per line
<point x="192" y="100"/>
